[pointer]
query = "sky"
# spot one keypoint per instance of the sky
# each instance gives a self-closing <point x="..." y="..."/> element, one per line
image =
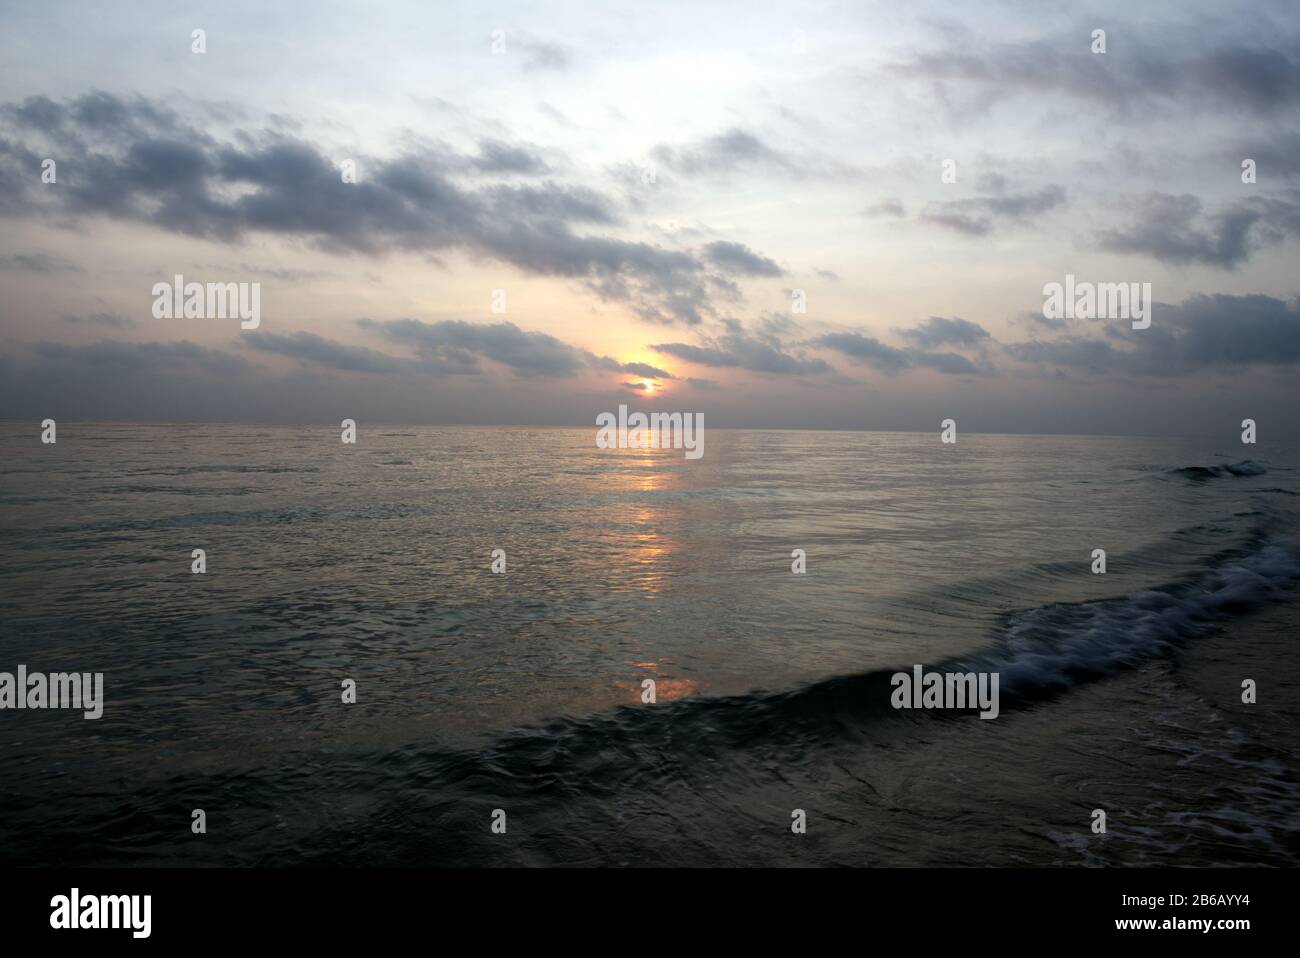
<point x="734" y="209"/>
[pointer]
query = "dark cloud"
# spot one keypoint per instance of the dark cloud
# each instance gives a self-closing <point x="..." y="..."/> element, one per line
<point x="938" y="331"/>
<point x="442" y="348"/>
<point x="311" y="348"/>
<point x="494" y="156"/>
<point x="1276" y="156"/>
<point x="976" y="216"/>
<point x="1203" y="333"/>
<point x="646" y="370"/>
<point x="455" y="344"/>
<point x="739" y="260"/>
<point x="1236" y="330"/>
<point x="458" y="344"/>
<point x="109" y="356"/>
<point x="1262" y="79"/>
<point x="872" y="352"/>
<point x="139" y="162"/>
<point x="1074" y="352"/>
<point x="101" y="117"/>
<point x="1175" y="229"/>
<point x="609" y="364"/>
<point x="39" y="113"/>
<point x="866" y="349"/>
<point x="741" y="349"/>
<point x="449" y="347"/>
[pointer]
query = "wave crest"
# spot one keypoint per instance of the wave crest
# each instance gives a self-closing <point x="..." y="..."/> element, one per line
<point x="1247" y="467"/>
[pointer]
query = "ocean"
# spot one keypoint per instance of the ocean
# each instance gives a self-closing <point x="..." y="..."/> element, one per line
<point x="522" y="691"/>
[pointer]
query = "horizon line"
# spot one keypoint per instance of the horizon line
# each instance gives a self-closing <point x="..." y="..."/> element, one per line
<point x="288" y="423"/>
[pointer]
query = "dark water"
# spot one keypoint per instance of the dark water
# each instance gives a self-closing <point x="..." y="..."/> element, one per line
<point x="521" y="691"/>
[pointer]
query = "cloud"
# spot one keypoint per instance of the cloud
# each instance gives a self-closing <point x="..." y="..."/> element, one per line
<point x="1262" y="78"/>
<point x="726" y="152"/>
<point x="959" y="222"/>
<point x="141" y="162"/>
<point x="938" y="331"/>
<point x="889" y="359"/>
<point x="646" y="370"/>
<point x="1203" y="333"/>
<point x="739" y="260"/>
<point x="976" y="216"/>
<point x="866" y="349"/>
<point x="740" y="151"/>
<point x="496" y="156"/>
<point x="311" y="348"/>
<point x="109" y="356"/>
<point x="101" y="116"/>
<point x="609" y="364"/>
<point x="449" y="347"/>
<point x="1073" y="352"/>
<point x="455" y="344"/>
<point x="1175" y="229"/>
<point x="1279" y="156"/>
<point x="38" y="263"/>
<point x="739" y="349"/>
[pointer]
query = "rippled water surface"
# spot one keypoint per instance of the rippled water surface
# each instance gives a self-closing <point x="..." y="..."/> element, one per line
<point x="522" y="691"/>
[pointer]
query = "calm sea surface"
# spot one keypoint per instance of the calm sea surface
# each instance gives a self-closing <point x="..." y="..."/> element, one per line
<point x="522" y="691"/>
